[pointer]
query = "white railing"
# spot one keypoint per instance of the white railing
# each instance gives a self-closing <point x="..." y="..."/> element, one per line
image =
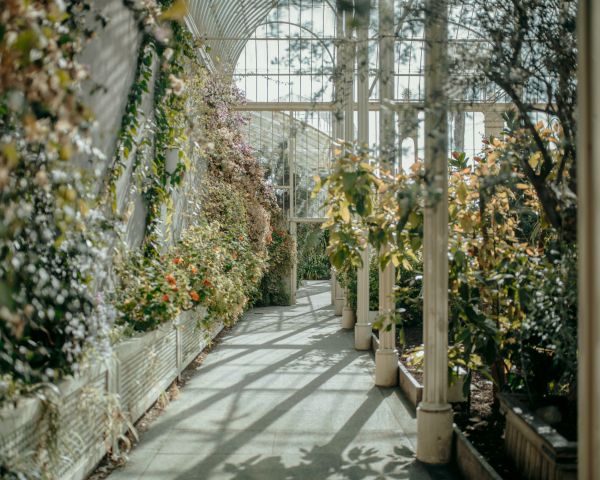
<point x="141" y="369"/>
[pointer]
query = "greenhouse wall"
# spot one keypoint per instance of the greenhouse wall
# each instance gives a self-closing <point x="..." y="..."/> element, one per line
<point x="112" y="59"/>
<point x="91" y="411"/>
<point x="71" y="430"/>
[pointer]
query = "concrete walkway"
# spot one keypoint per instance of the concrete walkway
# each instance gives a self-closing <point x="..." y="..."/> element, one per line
<point x="284" y="397"/>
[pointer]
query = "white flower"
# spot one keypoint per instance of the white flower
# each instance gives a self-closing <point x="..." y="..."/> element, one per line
<point x="41" y="178"/>
<point x="177" y="84"/>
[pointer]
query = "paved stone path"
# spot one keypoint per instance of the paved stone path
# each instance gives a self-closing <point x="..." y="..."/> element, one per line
<point x="284" y="397"/>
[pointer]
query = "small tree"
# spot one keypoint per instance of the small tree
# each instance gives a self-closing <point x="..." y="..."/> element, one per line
<point x="533" y="59"/>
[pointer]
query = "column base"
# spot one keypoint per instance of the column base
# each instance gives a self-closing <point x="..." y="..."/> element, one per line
<point x="434" y="433"/>
<point x="338" y="306"/>
<point x="362" y="336"/>
<point x="348" y="318"/>
<point x="386" y="368"/>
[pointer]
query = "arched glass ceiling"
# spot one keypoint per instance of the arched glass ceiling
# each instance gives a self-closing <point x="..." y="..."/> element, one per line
<point x="227" y="24"/>
<point x="282" y="54"/>
<point x="291" y="56"/>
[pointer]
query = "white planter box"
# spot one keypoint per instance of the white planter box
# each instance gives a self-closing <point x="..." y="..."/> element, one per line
<point x="142" y="368"/>
<point x="469" y="461"/>
<point x="534" y="447"/>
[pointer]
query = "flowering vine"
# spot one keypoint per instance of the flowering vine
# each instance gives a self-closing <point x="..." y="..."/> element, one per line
<point x="49" y="242"/>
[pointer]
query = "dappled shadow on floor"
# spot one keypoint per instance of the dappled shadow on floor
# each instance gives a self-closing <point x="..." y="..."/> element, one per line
<point x="314" y="288"/>
<point x="361" y="462"/>
<point x="317" y="352"/>
<point x="284" y="396"/>
<point x="344" y="456"/>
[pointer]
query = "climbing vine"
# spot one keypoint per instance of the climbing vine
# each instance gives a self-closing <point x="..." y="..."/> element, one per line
<point x="171" y="124"/>
<point x="131" y="123"/>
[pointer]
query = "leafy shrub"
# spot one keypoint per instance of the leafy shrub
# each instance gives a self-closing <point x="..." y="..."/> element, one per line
<point x="546" y="361"/>
<point x="210" y="266"/>
<point x="348" y="280"/>
<point x="227" y="264"/>
<point x="512" y="277"/>
<point x="313" y="262"/>
<point x="50" y="241"/>
<point x="231" y="161"/>
<point x="409" y="292"/>
<point x="151" y="293"/>
<point x="281" y="253"/>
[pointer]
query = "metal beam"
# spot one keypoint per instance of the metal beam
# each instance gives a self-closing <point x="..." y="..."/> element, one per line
<point x="373" y="106"/>
<point x="308" y="219"/>
<point x="292" y="211"/>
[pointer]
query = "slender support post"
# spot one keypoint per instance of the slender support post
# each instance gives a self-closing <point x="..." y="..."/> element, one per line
<point x="333" y="286"/>
<point x="588" y="184"/>
<point x="408" y="127"/>
<point x="339" y="78"/>
<point x="386" y="358"/>
<point x="294" y="269"/>
<point x="459" y="131"/>
<point x="494" y="123"/>
<point x="292" y="190"/>
<point x="348" y="314"/>
<point x="338" y="295"/>
<point x="434" y="414"/>
<point x="362" y="330"/>
<point x="348" y="69"/>
<point x="346" y="74"/>
<point x="339" y="300"/>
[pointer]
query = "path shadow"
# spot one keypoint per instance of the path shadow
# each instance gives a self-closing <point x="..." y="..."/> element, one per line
<point x="319" y="463"/>
<point x="343" y="457"/>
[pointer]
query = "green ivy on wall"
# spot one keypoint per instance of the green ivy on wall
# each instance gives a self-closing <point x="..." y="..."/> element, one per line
<point x="129" y="131"/>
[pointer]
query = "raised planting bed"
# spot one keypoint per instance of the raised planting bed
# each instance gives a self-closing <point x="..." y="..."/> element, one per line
<point x="88" y="409"/>
<point x="470" y="463"/>
<point x="537" y="449"/>
<point x="411" y="386"/>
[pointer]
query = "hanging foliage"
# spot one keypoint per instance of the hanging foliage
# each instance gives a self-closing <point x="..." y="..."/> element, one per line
<point x="50" y="242"/>
<point x="232" y="161"/>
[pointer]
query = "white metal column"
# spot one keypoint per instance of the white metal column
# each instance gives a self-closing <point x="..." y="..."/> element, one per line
<point x="494" y="123"/>
<point x="292" y="190"/>
<point x="386" y="358"/>
<point x="588" y="183"/>
<point x="338" y="294"/>
<point x="434" y="414"/>
<point x="362" y="329"/>
<point x="348" y="315"/>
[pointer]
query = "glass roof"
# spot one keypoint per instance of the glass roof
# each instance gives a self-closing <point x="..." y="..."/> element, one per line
<point x="284" y="52"/>
<point x="291" y="55"/>
<point x="300" y="140"/>
<point x="227" y="24"/>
